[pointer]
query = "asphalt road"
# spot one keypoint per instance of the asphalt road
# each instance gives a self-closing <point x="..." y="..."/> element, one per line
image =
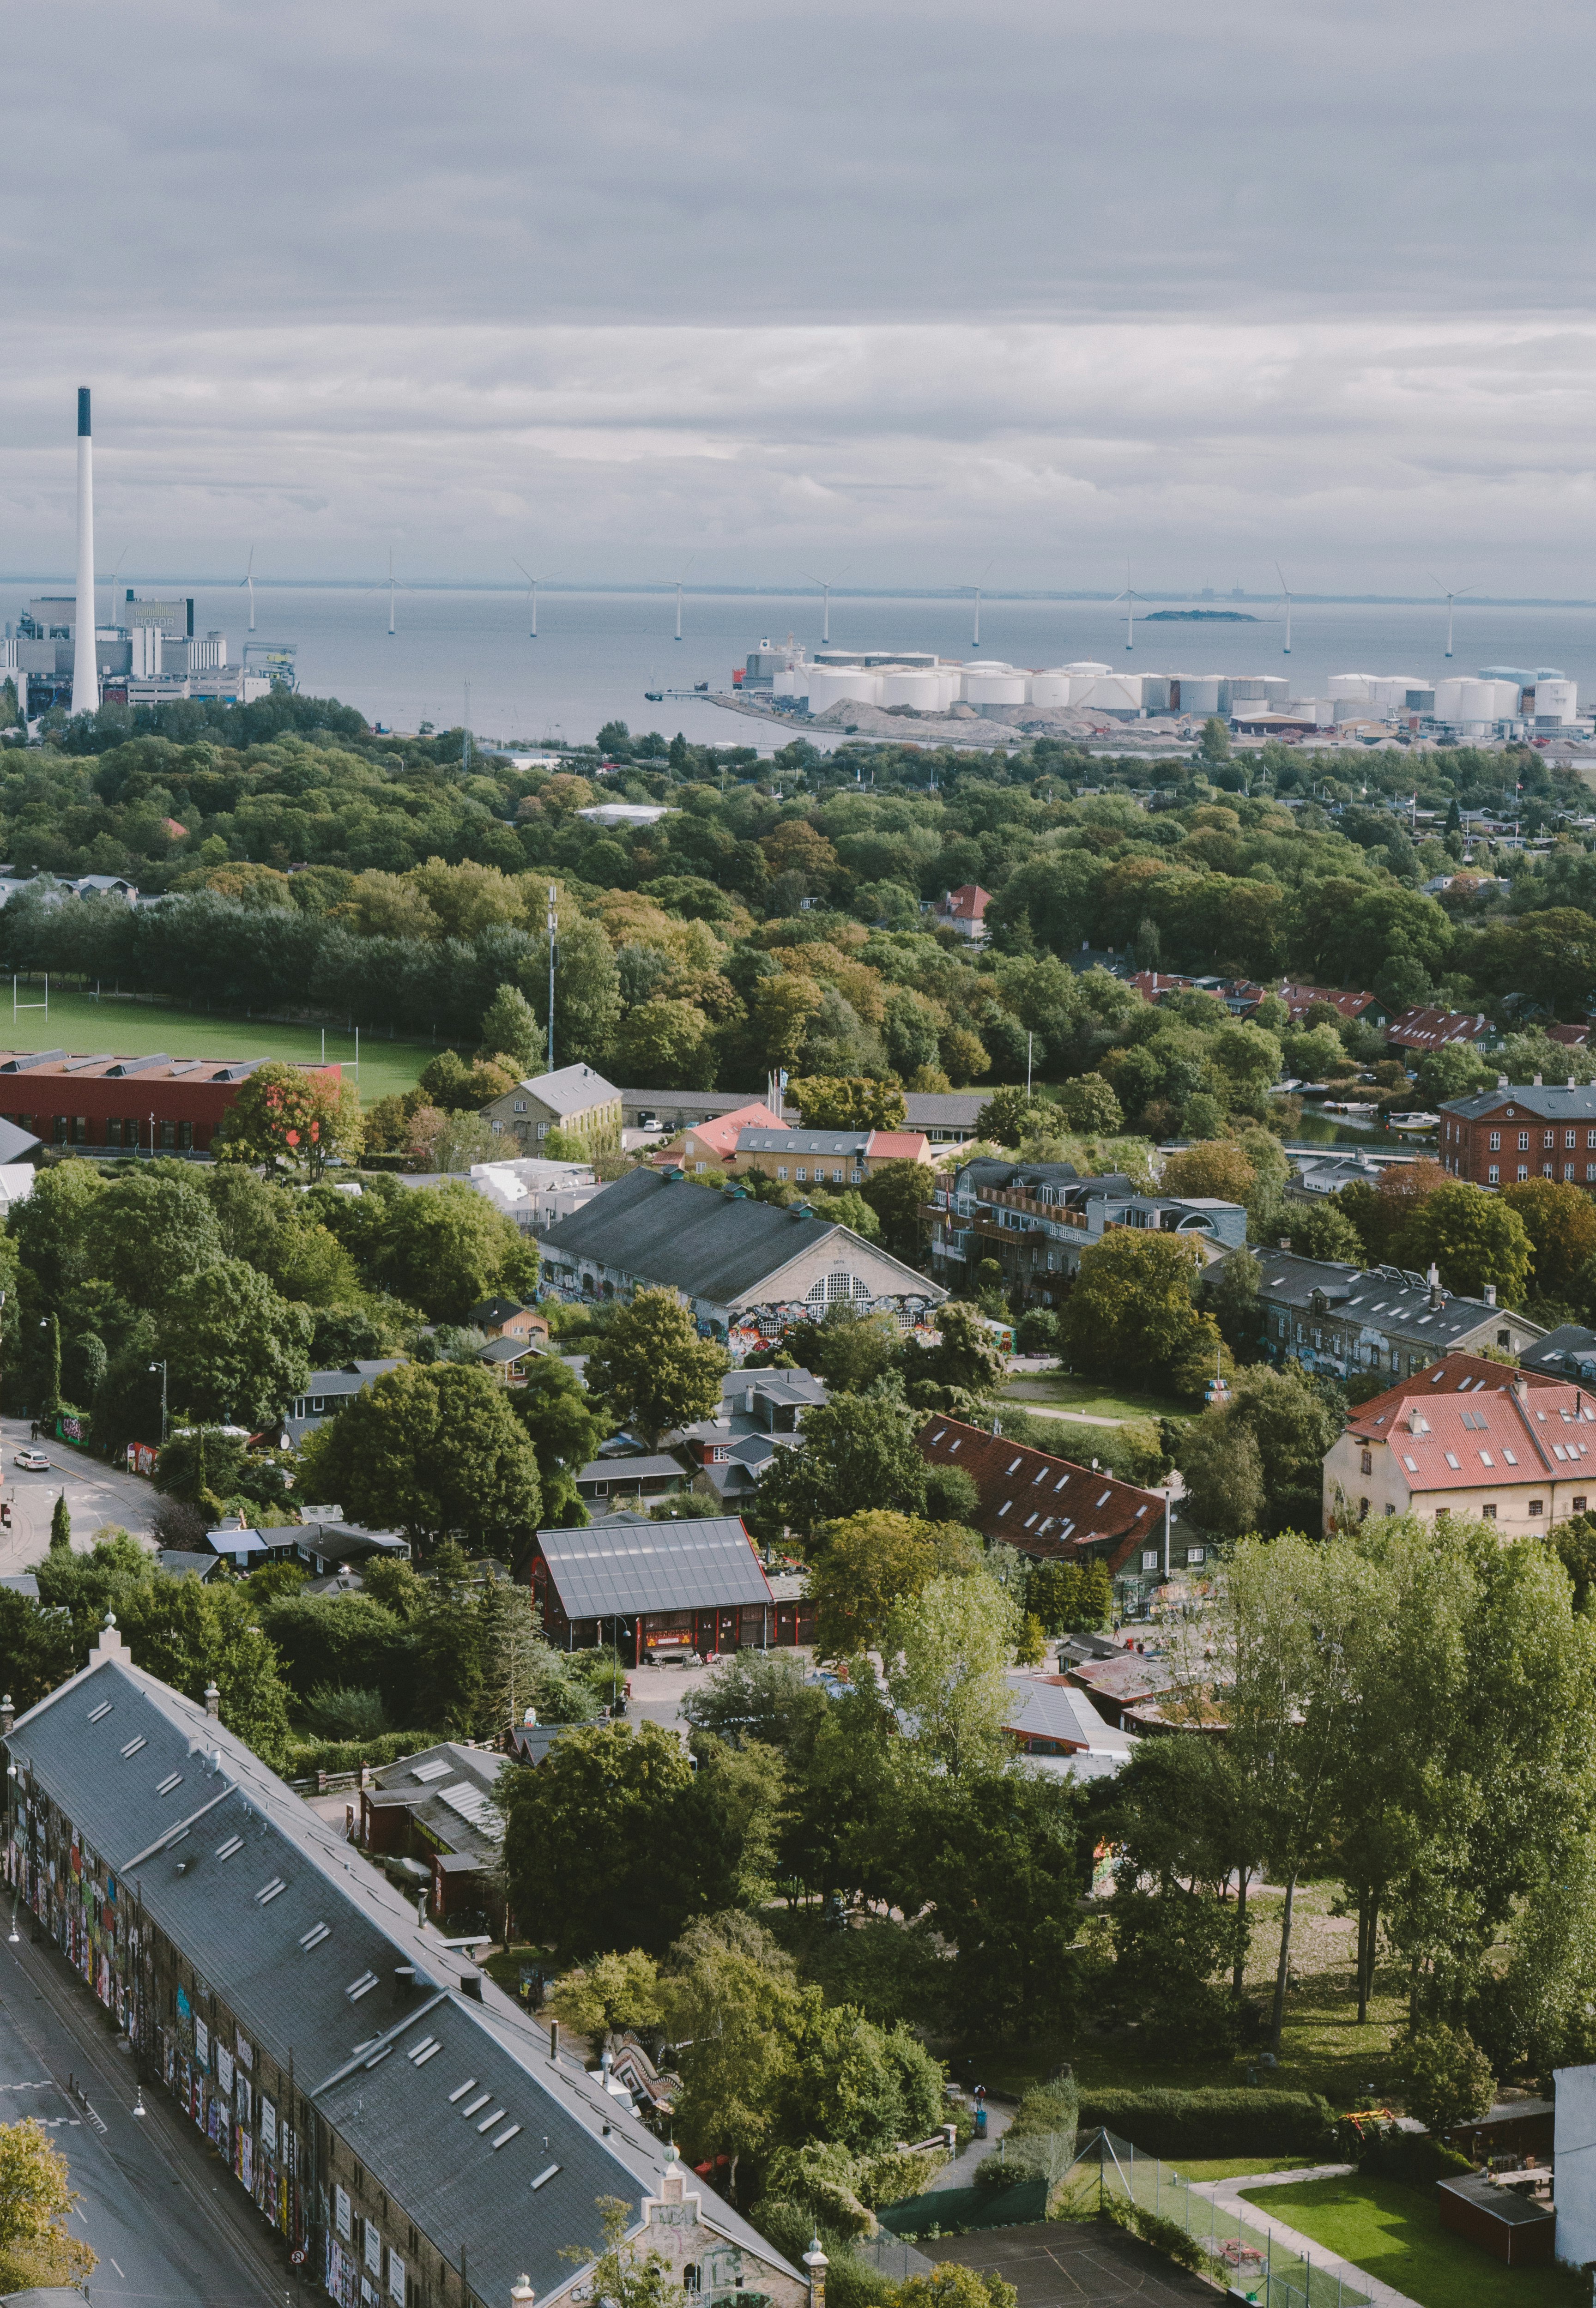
<point x="170" y="2224"/>
<point x="96" y="1495"/>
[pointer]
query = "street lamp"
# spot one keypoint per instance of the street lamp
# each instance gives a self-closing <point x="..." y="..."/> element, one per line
<point x="162" y="1369"/>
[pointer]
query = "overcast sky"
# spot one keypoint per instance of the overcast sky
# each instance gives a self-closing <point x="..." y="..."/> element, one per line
<point x="914" y="290"/>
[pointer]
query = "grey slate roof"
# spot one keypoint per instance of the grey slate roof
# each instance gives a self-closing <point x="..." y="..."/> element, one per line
<point x="1396" y="1300"/>
<point x="1549" y="1102"/>
<point x="1043" y="1709"/>
<point x="841" y="1143"/>
<point x="16" y="1144"/>
<point x="295" y="2000"/>
<point x="571" y="1090"/>
<point x="617" y="1568"/>
<point x="701" y="1242"/>
<point x="1568" y="1352"/>
<point x="446" y="1787"/>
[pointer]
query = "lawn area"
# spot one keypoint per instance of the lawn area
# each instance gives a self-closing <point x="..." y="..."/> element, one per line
<point x="1058" y="1391"/>
<point x="1396" y="2233"/>
<point x="1234" y="2167"/>
<point x="80" y="1023"/>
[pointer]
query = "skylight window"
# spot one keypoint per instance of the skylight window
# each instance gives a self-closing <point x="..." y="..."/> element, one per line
<point x="226" y="1850"/>
<point x="438" y="1768"/>
<point x="314" y="1937"/>
<point x="939" y="1434"/>
<point x="270" y="1891"/>
<point x="1105" y="1498"/>
<point x="357" y="1989"/>
<point x="1452" y="1458"/>
<point x="544" y="2178"/>
<point x="1510" y="1457"/>
<point x="172" y="1780"/>
<point x="417" y="2050"/>
<point x="97" y="1714"/>
<point x="1012" y="1464"/>
<point x="497" y="2116"/>
<point x="1060" y="1485"/>
<point x="1411" y="1465"/>
<point x="480" y="2101"/>
<point x="507" y="2136"/>
<point x="951" y="1447"/>
<point x="133" y="1745"/>
<point x="1004" y="1509"/>
<point x="1486" y="1460"/>
<point x="469" y="2085"/>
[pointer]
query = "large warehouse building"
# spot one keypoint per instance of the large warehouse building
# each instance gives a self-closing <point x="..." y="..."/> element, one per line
<point x="151" y="1106"/>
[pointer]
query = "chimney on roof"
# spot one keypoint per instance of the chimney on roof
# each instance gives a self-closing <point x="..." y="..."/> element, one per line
<point x="521" y="2294"/>
<point x="1501" y="1082"/>
<point x="1285" y="1242"/>
<point x="8" y="1715"/>
<point x="1571" y="1083"/>
<point x="1520" y="1386"/>
<point x="1535" y="1079"/>
<point x="554" y="2039"/>
<point x="1437" y="1297"/>
<point x="471" y="1986"/>
<point x="212" y="1700"/>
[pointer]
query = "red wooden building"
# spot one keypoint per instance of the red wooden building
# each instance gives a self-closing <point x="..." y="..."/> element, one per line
<point x="152" y="1105"/>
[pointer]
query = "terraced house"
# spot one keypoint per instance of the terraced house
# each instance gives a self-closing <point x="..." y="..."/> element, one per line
<point x="418" y="2139"/>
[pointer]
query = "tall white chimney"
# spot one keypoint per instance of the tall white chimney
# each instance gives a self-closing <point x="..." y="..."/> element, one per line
<point x="85" y="676"/>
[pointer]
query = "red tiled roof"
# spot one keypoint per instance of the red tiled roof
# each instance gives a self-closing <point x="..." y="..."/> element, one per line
<point x="1041" y="1503"/>
<point x="897" y="1146"/>
<point x="968" y="902"/>
<point x="1150" y="983"/>
<point x="720" y="1132"/>
<point x="1423" y="1028"/>
<point x="1464" y="1423"/>
<point x="1297" y="999"/>
<point x="1574" y="1036"/>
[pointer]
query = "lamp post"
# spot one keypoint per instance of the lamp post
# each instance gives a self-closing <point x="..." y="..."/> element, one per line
<point x="162" y="1369"/>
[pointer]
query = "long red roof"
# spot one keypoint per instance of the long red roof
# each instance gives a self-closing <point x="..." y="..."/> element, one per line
<point x="1465" y="1423"/>
<point x="1044" y="1504"/>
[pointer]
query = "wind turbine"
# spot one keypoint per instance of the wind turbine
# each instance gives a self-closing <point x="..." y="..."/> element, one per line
<point x="394" y="585"/>
<point x="532" y="585"/>
<point x="825" y="584"/>
<point x="1286" y="590"/>
<point x="679" y="583"/>
<point x="976" y="590"/>
<point x="1454" y="595"/>
<point x="1130" y="601"/>
<point x="248" y="579"/>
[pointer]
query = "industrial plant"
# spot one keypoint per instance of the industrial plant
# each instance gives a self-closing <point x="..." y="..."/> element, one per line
<point x="145" y="652"/>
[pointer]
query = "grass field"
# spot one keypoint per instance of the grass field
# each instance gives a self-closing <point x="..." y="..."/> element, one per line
<point x="136" y="1029"/>
<point x="1234" y="2167"/>
<point x="1396" y="2233"/>
<point x="1057" y="1391"/>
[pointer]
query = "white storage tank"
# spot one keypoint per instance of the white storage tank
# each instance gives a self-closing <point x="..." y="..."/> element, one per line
<point x="900" y="685"/>
<point x="1199" y="692"/>
<point x="1449" y="698"/>
<point x="1051" y="688"/>
<point x="1118" y="693"/>
<point x="1085" y="666"/>
<point x="1350" y="685"/>
<point x="950" y="681"/>
<point x="1557" y="700"/>
<point x="788" y="684"/>
<point x="994" y="686"/>
<point x="840" y="685"/>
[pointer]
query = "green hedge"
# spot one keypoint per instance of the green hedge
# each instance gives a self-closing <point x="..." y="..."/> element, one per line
<point x="954" y="2210"/>
<point x="307" y="1757"/>
<point x="1223" y="2120"/>
<point x="1413" y="2157"/>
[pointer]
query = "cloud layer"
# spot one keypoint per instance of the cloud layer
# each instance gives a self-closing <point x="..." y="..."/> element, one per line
<point x="914" y="290"/>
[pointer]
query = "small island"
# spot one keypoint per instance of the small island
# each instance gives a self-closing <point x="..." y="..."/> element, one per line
<point x="1200" y="617"/>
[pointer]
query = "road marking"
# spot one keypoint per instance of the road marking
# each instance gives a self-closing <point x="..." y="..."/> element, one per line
<point x="94" y="2120"/>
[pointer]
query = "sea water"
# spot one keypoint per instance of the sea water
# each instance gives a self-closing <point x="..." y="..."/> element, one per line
<point x="460" y="655"/>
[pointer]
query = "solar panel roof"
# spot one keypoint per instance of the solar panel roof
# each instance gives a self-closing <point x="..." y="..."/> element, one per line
<point x="611" y="1570"/>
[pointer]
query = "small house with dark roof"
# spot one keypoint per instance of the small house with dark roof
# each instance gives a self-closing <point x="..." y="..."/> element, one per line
<point x="1333" y="1317"/>
<point x="1469" y="1438"/>
<point x="1568" y="1352"/>
<point x="1059" y="1731"/>
<point x="746" y="1269"/>
<point x="507" y="1318"/>
<point x="658" y="1590"/>
<point x="1050" y="1507"/>
<point x="436" y="1808"/>
<point x="761" y="1415"/>
<point x="326" y="1391"/>
<point x="642" y="1475"/>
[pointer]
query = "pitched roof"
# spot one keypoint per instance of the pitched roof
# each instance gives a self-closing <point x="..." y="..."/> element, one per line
<point x="968" y="902"/>
<point x="896" y="1145"/>
<point x="1393" y="1297"/>
<point x="1568" y="1352"/>
<point x="719" y="1132"/>
<point x="1040" y="1502"/>
<point x="1454" y="1429"/>
<point x="620" y="1567"/>
<point x="782" y="1141"/>
<point x="571" y="1090"/>
<point x="1541" y="1101"/>
<point x="1297" y="999"/>
<point x="710" y="1245"/>
<point x="287" y="1925"/>
<point x="1048" y="1707"/>
<point x="1426" y="1028"/>
<point x="448" y="1787"/>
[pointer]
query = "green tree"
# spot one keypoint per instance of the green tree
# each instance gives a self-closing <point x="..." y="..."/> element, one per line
<point x="665" y="1044"/>
<point x="442" y="1248"/>
<point x="60" y="1525"/>
<point x="862" y="2085"/>
<point x="286" y="1115"/>
<point x="148" y="1233"/>
<point x="1216" y="1166"/>
<point x="607" y="1996"/>
<point x="1454" y="1070"/>
<point x="236" y="1350"/>
<point x="430" y="1449"/>
<point x="1090" y="1108"/>
<point x="564" y="1429"/>
<point x="49" y="1227"/>
<point x="732" y="2004"/>
<point x="1009" y="1115"/>
<point x="587" y="991"/>
<point x="1560" y="1220"/>
<point x="947" y="1648"/>
<point x="731" y="1822"/>
<point x="760" y="1695"/>
<point x="630" y="2278"/>
<point x="1449" y="2078"/>
<point x="651" y="1368"/>
<point x="1323" y="1230"/>
<point x="897" y="1193"/>
<point x="872" y="1561"/>
<point x="1214" y="744"/>
<point x="846" y="1102"/>
<point x="35" y="2202"/>
<point x="1228" y="1291"/>
<point x="591" y="1856"/>
<point x="1131" y="1309"/>
<point x="510" y="1028"/>
<point x="858" y="1453"/>
<point x="1474" y="1237"/>
<point x="51" y="1404"/>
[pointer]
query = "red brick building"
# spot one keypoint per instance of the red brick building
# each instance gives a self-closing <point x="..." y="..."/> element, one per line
<point x="1522" y="1131"/>
<point x="152" y="1105"/>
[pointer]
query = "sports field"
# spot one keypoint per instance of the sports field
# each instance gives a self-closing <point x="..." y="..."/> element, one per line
<point x="80" y="1023"/>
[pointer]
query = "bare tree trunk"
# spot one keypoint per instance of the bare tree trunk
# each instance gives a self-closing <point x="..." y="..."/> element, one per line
<point x="1279" y="2019"/>
<point x="1238" y="1968"/>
